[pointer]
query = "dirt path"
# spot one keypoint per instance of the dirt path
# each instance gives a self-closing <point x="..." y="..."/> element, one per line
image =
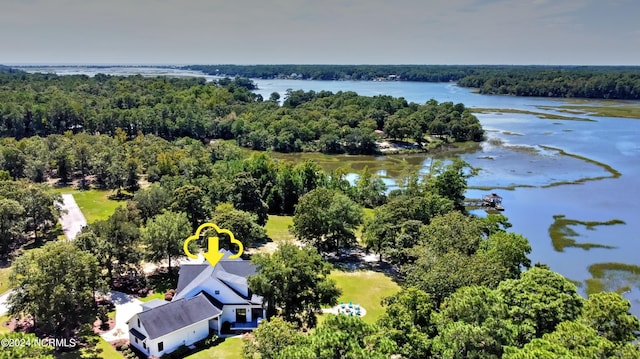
<point x="72" y="218"/>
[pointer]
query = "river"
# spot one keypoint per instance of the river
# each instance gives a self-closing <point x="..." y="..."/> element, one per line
<point x="571" y="186"/>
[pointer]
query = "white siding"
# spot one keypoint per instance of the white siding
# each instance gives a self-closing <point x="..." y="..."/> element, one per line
<point x="133" y="323"/>
<point x="184" y="336"/>
<point x="225" y="294"/>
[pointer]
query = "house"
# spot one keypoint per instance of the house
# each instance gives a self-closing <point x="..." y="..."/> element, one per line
<point x="207" y="299"/>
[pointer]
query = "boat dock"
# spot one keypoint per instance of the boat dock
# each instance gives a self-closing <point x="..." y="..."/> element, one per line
<point x="491" y="201"/>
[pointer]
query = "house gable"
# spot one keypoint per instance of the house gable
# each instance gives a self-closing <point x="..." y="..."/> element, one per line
<point x="226" y="282"/>
<point x="175" y="315"/>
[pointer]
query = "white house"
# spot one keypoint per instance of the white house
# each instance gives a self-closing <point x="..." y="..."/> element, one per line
<point x="208" y="299"/>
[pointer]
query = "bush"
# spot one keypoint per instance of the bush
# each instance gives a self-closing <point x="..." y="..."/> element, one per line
<point x="181" y="352"/>
<point x="168" y="296"/>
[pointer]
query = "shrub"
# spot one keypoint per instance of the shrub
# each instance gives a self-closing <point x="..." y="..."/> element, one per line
<point x="168" y="296"/>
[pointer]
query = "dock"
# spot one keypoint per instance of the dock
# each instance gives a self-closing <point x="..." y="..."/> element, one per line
<point x="490" y="201"/>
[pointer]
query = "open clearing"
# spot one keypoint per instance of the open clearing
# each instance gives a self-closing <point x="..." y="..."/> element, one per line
<point x="94" y="204"/>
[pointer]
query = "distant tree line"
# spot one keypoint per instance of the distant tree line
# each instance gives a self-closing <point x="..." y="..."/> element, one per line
<point x="426" y="73"/>
<point x="584" y="82"/>
<point x="45" y="104"/>
<point x="606" y="82"/>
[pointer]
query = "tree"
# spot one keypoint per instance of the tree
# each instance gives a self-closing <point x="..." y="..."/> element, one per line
<point x="608" y="313"/>
<point x="442" y="275"/>
<point x="295" y="282"/>
<point x="191" y="200"/>
<point x="24" y="351"/>
<point x="370" y="190"/>
<point x="453" y="232"/>
<point x="569" y="340"/>
<point x="55" y="284"/>
<point x="242" y="224"/>
<point x="131" y="180"/>
<point x="151" y="201"/>
<point x="246" y="196"/>
<point x="473" y="323"/>
<point x="41" y="211"/>
<point x="342" y="336"/>
<point x="540" y="299"/>
<point x="13" y="160"/>
<point x="451" y="183"/>
<point x="274" y="97"/>
<point x="11" y="224"/>
<point x="270" y="339"/>
<point x="164" y="236"/>
<point x="407" y="322"/>
<point x="327" y="219"/>
<point x="114" y="242"/>
<point x="508" y="249"/>
<point x="394" y="227"/>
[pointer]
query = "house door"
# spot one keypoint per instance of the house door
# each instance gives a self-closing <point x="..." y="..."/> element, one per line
<point x="241" y="315"/>
<point x="256" y="313"/>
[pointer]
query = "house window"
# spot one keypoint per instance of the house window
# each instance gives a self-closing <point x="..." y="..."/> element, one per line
<point x="217" y="292"/>
<point x="138" y="322"/>
<point x="160" y="346"/>
<point x="136" y="340"/>
<point x="144" y="345"/>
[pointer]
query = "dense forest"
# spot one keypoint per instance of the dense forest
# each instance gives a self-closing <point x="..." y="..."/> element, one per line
<point x="605" y="82"/>
<point x="43" y="104"/>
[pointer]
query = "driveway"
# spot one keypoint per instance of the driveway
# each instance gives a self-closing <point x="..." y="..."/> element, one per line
<point x="72" y="219"/>
<point x="126" y="307"/>
<point x="4" y="308"/>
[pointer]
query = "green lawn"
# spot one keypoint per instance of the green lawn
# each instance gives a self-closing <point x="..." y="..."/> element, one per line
<point x="94" y="204"/>
<point x="105" y="350"/>
<point x="278" y="227"/>
<point x="3" y="329"/>
<point x="151" y="297"/>
<point x="4" y="279"/>
<point x="366" y="288"/>
<point x="229" y="349"/>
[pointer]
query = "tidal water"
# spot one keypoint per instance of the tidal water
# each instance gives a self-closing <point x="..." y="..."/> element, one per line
<point x="571" y="187"/>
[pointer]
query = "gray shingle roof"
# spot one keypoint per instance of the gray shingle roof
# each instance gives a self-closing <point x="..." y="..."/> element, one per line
<point x="240" y="268"/>
<point x="153" y="303"/>
<point x="176" y="315"/>
<point x="189" y="272"/>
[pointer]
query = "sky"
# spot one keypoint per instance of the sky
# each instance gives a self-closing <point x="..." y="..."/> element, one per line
<point x="562" y="32"/>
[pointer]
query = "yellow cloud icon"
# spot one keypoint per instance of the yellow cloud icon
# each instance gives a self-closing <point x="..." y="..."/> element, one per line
<point x="213" y="256"/>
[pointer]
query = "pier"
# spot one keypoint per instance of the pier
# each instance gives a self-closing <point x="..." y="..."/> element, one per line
<point x="490" y="201"/>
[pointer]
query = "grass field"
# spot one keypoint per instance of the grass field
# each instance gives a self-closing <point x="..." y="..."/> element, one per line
<point x="106" y="351"/>
<point x="229" y="349"/>
<point x="152" y="297"/>
<point x="278" y="227"/>
<point x="4" y="279"/>
<point x="3" y="329"/>
<point x="94" y="204"/>
<point x="366" y="288"/>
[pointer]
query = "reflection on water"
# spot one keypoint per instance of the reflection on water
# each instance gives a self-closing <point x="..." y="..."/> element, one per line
<point x="563" y="235"/>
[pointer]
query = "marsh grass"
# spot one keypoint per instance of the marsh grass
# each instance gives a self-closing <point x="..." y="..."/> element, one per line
<point x="562" y="234"/>
<point x="604" y="109"/>
<point x="541" y="115"/>
<point x="613" y="276"/>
